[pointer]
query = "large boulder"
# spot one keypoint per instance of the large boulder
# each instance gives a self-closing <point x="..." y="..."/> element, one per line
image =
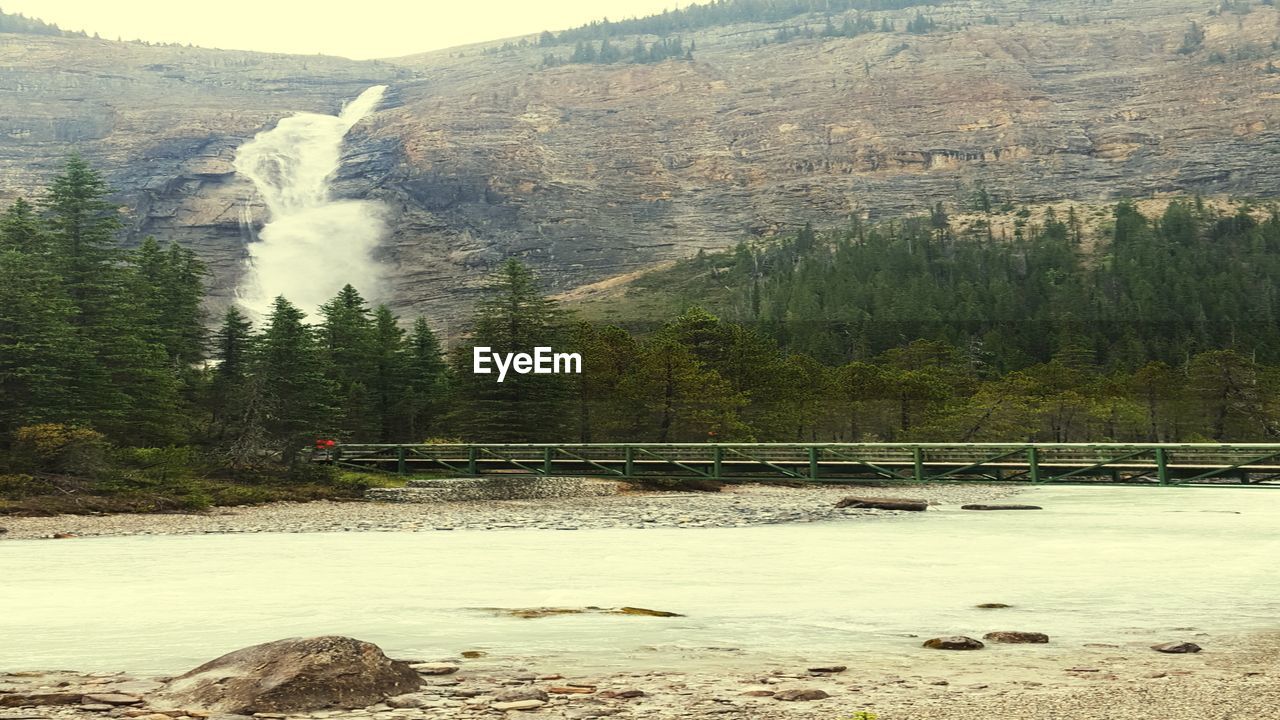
<point x="297" y="674"/>
<point x="884" y="503"/>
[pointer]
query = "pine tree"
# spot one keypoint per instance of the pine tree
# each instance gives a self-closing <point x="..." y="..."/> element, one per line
<point x="427" y="383"/>
<point x="515" y="317"/>
<point x="289" y="365"/>
<point x="348" y="336"/>
<point x="390" y="379"/>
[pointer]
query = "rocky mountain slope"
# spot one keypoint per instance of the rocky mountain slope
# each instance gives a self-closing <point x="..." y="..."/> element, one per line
<point x="590" y="171"/>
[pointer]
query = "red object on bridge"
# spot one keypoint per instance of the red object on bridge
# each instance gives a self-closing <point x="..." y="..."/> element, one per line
<point x="325" y="443"/>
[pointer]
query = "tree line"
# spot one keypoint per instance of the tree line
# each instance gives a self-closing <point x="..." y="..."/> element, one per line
<point x="903" y="330"/>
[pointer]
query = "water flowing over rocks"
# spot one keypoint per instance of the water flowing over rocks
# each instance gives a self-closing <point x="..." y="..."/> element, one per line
<point x="292" y="675"/>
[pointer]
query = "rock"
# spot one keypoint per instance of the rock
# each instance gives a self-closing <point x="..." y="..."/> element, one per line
<point x="94" y="707"/>
<point x="40" y="698"/>
<point x="828" y="669"/>
<point x="112" y="699"/>
<point x="473" y="654"/>
<point x="1177" y="648"/>
<point x="518" y="705"/>
<point x="954" y="642"/>
<point x="992" y="606"/>
<point x="61" y="536"/>
<point x="521" y="693"/>
<point x="570" y="690"/>
<point x="647" y="612"/>
<point x="758" y="693"/>
<point x="411" y="700"/>
<point x="1014" y="636"/>
<point x="3" y="530"/>
<point x="883" y="503"/>
<point x="622" y="694"/>
<point x="801" y="695"/>
<point x="297" y="674"/>
<point x="434" y="668"/>
<point x="1000" y="507"/>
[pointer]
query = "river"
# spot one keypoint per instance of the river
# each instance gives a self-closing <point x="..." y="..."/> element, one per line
<point x="1098" y="565"/>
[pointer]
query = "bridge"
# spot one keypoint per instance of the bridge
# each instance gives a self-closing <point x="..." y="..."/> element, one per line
<point x="1158" y="464"/>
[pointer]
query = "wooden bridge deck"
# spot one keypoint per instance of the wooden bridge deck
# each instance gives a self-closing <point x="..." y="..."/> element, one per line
<point x="1192" y="464"/>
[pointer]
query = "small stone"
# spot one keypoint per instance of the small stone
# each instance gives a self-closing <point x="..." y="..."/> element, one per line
<point x="801" y="695"/>
<point x="112" y="699"/>
<point x="90" y="707"/>
<point x="569" y="690"/>
<point x="622" y="694"/>
<point x="518" y="705"/>
<point x="521" y="693"/>
<point x="758" y="693"/>
<point x="828" y="669"/>
<point x="1177" y="648"/>
<point x="1000" y="507"/>
<point x="954" y="642"/>
<point x="1015" y="636"/>
<point x="992" y="606"/>
<point x="473" y="654"/>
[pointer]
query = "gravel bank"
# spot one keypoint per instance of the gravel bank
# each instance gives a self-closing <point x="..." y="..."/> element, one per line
<point x="737" y="506"/>
<point x="1231" y="680"/>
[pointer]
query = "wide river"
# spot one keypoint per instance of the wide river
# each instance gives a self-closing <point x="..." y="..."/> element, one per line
<point x="1111" y="565"/>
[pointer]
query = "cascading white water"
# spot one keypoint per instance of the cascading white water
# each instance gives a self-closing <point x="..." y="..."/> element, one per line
<point x="311" y="245"/>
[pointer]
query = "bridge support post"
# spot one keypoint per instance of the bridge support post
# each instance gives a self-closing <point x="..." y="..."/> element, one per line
<point x="1033" y="464"/>
<point x="717" y="463"/>
<point x="400" y="464"/>
<point x="628" y="461"/>
<point x="917" y="463"/>
<point x="1162" y="466"/>
<point x="471" y="460"/>
<point x="813" y="462"/>
<point x="547" y="454"/>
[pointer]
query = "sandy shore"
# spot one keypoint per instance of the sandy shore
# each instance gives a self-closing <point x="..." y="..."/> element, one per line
<point x="1230" y="680"/>
<point x="737" y="506"/>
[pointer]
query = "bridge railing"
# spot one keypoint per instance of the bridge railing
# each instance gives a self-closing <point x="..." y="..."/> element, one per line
<point x="1125" y="463"/>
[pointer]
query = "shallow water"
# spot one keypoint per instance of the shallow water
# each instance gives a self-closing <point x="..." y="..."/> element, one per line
<point x="1097" y="565"/>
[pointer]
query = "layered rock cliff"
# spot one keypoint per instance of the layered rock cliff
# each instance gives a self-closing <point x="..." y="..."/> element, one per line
<point x="590" y="171"/>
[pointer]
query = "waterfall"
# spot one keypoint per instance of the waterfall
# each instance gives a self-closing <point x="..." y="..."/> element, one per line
<point x="311" y="244"/>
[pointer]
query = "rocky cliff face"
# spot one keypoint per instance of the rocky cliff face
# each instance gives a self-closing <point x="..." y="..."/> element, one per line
<point x="593" y="171"/>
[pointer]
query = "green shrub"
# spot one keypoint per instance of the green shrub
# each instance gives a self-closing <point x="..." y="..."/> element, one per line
<point x="20" y="486"/>
<point x="50" y="447"/>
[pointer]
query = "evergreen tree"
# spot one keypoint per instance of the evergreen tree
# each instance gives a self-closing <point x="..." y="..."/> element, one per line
<point x="427" y="384"/>
<point x="514" y="317"/>
<point x="289" y="365"/>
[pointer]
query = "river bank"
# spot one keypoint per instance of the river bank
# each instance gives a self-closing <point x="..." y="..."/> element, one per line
<point x="735" y="506"/>
<point x="1234" y="678"/>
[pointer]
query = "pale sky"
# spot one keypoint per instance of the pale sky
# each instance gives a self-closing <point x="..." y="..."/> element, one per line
<point x="354" y="28"/>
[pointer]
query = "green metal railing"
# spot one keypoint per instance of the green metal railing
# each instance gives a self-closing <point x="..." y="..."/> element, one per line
<point x="1193" y="464"/>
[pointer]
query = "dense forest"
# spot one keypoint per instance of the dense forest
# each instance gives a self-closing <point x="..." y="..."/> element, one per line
<point x="903" y="330"/>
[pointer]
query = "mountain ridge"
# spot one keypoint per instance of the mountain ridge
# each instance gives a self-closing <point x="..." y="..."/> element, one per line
<point x="589" y="171"/>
